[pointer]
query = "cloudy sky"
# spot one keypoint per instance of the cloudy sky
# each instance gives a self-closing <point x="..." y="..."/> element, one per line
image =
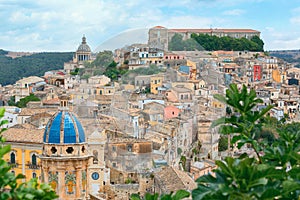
<point x="58" y="25"/>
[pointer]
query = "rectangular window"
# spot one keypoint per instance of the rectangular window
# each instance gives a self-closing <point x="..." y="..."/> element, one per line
<point x="129" y="147"/>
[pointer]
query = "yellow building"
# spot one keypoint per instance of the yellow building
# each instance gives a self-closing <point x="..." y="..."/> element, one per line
<point x="26" y="146"/>
<point x="105" y="90"/>
<point x="217" y="104"/>
<point x="276" y="76"/>
<point x="155" y="82"/>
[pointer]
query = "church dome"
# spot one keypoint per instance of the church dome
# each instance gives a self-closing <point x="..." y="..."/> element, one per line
<point x="83" y="47"/>
<point x="64" y="128"/>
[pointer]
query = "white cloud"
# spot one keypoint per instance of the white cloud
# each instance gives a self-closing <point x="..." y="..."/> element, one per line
<point x="188" y="22"/>
<point x="285" y="44"/>
<point x="295" y="20"/>
<point x="57" y="25"/>
<point x="234" y="12"/>
<point x="280" y="40"/>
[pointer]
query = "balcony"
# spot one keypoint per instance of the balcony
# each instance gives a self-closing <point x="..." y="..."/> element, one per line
<point x="33" y="166"/>
<point x="13" y="165"/>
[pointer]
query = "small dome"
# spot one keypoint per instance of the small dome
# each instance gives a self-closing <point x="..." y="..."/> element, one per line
<point x="84" y="47"/>
<point x="64" y="128"/>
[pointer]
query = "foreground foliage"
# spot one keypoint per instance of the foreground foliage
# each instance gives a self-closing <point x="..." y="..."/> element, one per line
<point x="180" y="194"/>
<point x="9" y="188"/>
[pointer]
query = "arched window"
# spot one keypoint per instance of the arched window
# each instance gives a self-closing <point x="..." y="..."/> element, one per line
<point x="33" y="175"/>
<point x="95" y="157"/>
<point x="13" y="158"/>
<point x="33" y="159"/>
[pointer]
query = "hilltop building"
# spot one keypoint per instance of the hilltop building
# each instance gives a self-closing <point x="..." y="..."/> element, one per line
<point x="160" y="36"/>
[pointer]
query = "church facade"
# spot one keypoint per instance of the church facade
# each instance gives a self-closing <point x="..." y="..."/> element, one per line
<point x="73" y="167"/>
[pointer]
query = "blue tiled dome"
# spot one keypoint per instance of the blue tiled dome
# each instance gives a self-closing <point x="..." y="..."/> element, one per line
<point x="64" y="128"/>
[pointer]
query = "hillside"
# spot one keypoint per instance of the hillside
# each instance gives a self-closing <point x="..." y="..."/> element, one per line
<point x="290" y="56"/>
<point x="13" y="69"/>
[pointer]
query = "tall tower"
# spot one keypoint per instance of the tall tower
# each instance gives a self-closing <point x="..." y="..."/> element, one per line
<point x="158" y="37"/>
<point x="65" y="157"/>
<point x="97" y="171"/>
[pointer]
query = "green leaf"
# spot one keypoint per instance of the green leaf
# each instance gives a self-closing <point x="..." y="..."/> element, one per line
<point x="135" y="197"/>
<point x="290" y="186"/>
<point x="166" y="197"/>
<point x="270" y="193"/>
<point x="149" y="196"/>
<point x="180" y="194"/>
<point x="201" y="192"/>
<point x="206" y="179"/>
<point x="221" y="98"/>
<point x="2" y="111"/>
<point x="4" y="150"/>
<point x="218" y="122"/>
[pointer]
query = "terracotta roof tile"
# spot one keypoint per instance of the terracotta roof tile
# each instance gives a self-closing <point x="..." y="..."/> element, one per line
<point x="170" y="179"/>
<point x="24" y="135"/>
<point x="214" y="30"/>
<point x="55" y="101"/>
<point x="33" y="111"/>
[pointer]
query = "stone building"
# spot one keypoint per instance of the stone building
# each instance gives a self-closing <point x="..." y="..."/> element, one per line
<point x="160" y="36"/>
<point x="26" y="144"/>
<point x="129" y="160"/>
<point x="170" y="179"/>
<point x="208" y="137"/>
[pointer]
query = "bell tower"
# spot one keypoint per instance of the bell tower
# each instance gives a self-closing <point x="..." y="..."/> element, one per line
<point x="99" y="175"/>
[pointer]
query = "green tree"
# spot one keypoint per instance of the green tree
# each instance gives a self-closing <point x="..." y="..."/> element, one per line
<point x="103" y="59"/>
<point x="273" y="174"/>
<point x="223" y="143"/>
<point x="9" y="188"/>
<point x="11" y="101"/>
<point x="259" y="42"/>
<point x="85" y="76"/>
<point x="112" y="71"/>
<point x="23" y="102"/>
<point x="212" y="43"/>
<point x="36" y="64"/>
<point x="178" y="44"/>
<point x="75" y="72"/>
